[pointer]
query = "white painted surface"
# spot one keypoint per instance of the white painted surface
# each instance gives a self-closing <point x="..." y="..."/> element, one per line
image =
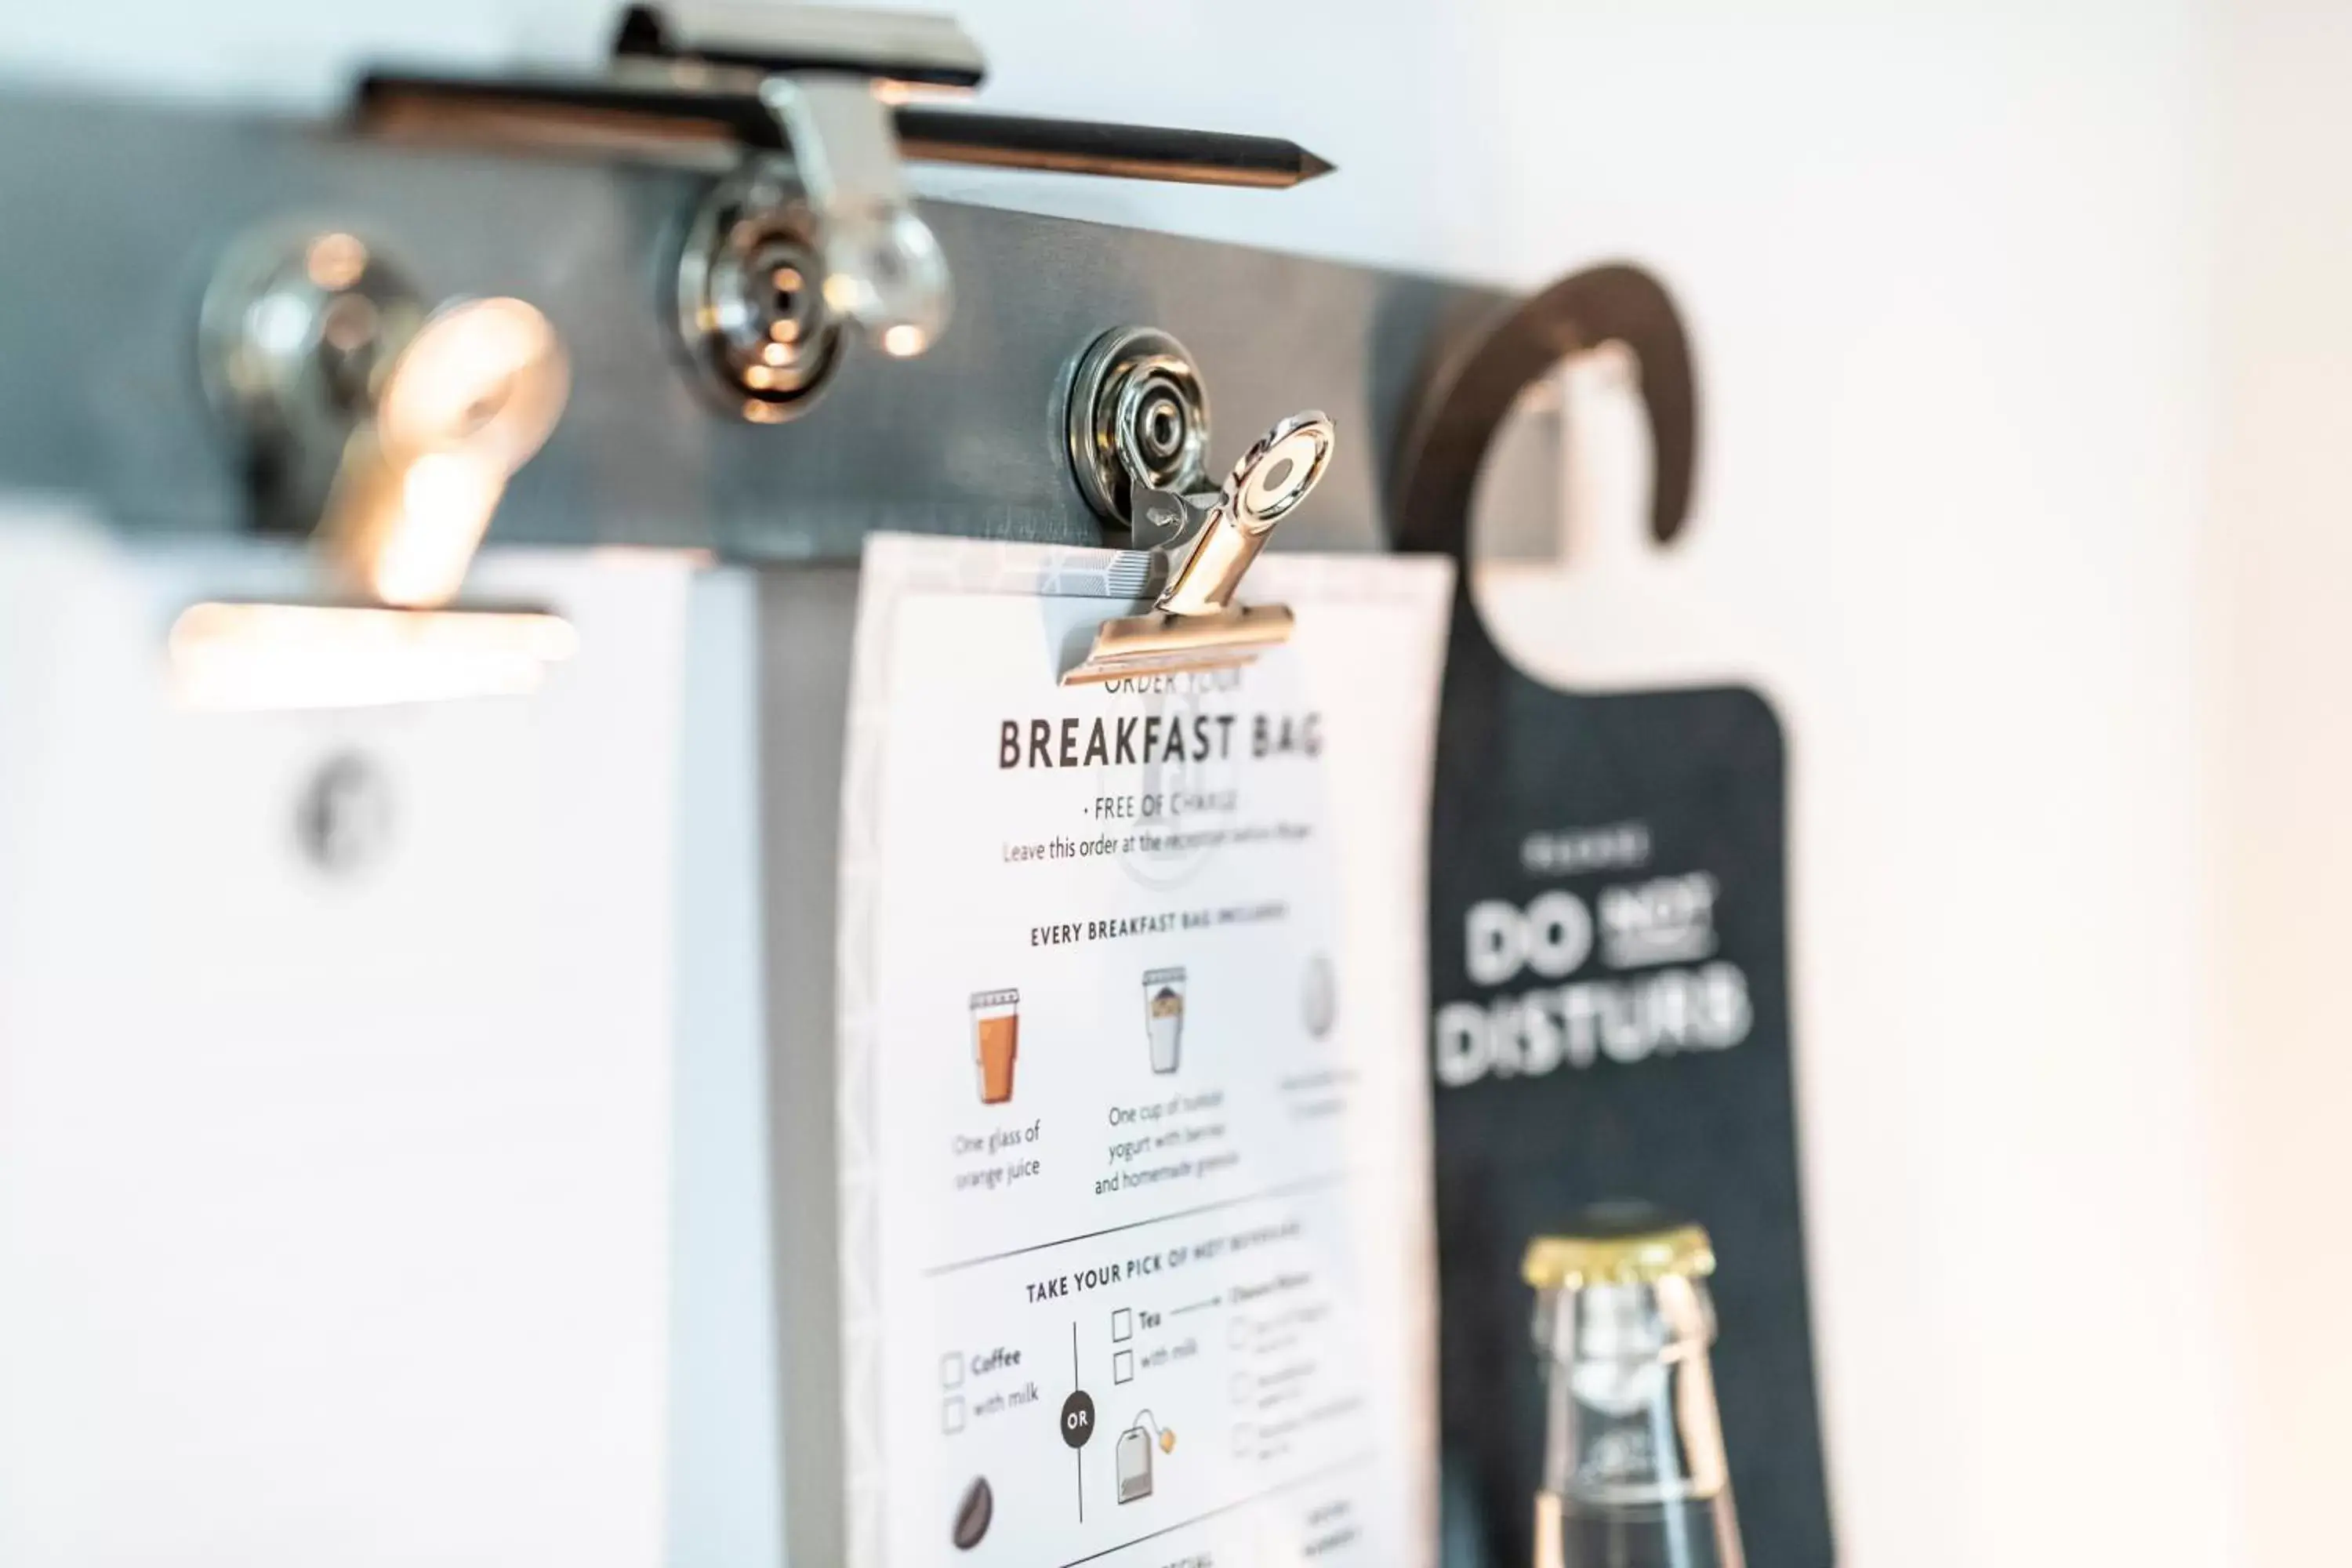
<point x="334" y="1201"/>
<point x="726" y="1435"/>
<point x="2281" y="559"/>
<point x="2023" y="339"/>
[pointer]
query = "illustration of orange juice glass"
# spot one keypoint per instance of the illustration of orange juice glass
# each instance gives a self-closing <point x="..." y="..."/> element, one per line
<point x="995" y="1042"/>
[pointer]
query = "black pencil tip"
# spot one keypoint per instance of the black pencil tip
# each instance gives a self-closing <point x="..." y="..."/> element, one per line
<point x="1309" y="165"/>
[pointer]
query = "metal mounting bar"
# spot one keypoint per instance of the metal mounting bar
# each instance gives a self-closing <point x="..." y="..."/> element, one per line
<point x="119" y="214"/>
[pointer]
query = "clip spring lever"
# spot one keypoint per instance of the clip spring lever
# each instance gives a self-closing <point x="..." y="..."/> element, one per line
<point x="1195" y="624"/>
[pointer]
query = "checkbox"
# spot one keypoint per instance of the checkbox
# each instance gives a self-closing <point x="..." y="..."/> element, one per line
<point x="951" y="1370"/>
<point x="1237" y="1332"/>
<point x="951" y="1415"/>
<point x="1122" y="1325"/>
<point x="1245" y="1385"/>
<point x="1122" y="1367"/>
<point x="1245" y="1440"/>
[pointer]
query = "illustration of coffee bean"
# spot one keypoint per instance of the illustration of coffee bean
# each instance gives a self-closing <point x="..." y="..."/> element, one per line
<point x="978" y="1506"/>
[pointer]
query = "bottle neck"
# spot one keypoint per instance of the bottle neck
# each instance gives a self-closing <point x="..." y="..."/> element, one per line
<point x="1633" y="1442"/>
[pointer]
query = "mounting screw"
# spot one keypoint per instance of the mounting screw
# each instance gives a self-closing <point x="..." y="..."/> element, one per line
<point x="1138" y="413"/>
<point x="752" y="311"/>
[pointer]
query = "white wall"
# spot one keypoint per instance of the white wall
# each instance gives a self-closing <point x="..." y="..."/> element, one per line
<point x="2019" y="328"/>
<point x="2280" y="564"/>
<point x="1951" y="288"/>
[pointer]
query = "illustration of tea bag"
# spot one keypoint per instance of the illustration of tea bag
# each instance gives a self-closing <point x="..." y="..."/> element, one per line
<point x="1134" y="1464"/>
<point x="1133" y="1460"/>
<point x="995" y="1042"/>
<point x="1163" y="1015"/>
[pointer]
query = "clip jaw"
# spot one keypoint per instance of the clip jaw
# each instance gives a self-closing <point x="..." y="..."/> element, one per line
<point x="1195" y="624"/>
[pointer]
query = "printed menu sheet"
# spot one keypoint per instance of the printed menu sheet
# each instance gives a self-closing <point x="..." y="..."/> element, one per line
<point x="1136" y="1223"/>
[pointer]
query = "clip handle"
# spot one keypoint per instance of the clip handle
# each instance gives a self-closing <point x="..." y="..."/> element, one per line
<point x="1195" y="624"/>
<point x="462" y="406"/>
<point x="883" y="266"/>
<point x="1272" y="478"/>
<point x="385" y="429"/>
<point x="831" y="79"/>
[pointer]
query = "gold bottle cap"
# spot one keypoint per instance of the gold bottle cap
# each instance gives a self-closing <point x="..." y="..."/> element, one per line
<point x="1619" y="1244"/>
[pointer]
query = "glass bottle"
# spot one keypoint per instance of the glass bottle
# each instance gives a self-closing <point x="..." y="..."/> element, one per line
<point x="1633" y="1473"/>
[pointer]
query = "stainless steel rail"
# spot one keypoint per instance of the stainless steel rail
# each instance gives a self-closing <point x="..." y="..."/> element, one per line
<point x="112" y="217"/>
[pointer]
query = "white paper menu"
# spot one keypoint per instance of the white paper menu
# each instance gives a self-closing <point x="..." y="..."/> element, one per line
<point x="1135" y="1218"/>
<point x="335" y="1052"/>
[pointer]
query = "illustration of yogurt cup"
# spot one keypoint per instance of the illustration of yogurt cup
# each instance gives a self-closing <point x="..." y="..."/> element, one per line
<point x="1163" y="1015"/>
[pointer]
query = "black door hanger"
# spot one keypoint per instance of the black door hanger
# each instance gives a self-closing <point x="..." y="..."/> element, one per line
<point x="1608" y="976"/>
